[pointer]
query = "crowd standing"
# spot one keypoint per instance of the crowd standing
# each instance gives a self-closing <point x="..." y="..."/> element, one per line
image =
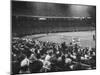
<point x="35" y="56"/>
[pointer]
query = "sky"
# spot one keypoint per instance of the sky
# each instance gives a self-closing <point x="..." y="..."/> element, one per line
<point x="52" y="9"/>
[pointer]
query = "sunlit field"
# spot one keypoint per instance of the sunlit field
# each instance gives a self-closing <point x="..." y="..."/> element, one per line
<point x="85" y="37"/>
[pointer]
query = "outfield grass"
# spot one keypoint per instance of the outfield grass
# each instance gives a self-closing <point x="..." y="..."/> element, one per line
<point x="86" y="37"/>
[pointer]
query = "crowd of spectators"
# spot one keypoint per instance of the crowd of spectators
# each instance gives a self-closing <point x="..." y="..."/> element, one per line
<point x="34" y="56"/>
